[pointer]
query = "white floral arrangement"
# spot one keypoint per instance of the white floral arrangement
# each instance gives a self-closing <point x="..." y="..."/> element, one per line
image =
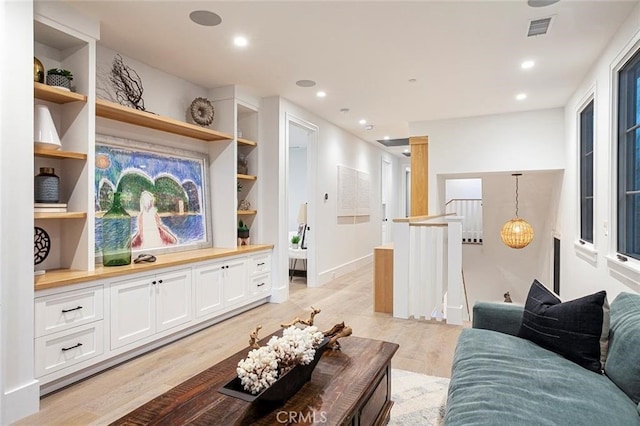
<point x="264" y="365"/>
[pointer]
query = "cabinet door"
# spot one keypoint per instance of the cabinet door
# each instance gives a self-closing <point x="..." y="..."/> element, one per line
<point x="235" y="282"/>
<point x="208" y="288"/>
<point x="132" y="311"/>
<point x="173" y="292"/>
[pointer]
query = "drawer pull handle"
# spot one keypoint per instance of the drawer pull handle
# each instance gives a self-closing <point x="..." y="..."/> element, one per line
<point x="72" y="347"/>
<point x="261" y="264"/>
<point x="260" y="285"/>
<point x="64" y="311"/>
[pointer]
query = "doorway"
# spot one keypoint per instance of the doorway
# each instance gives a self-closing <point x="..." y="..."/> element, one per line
<point x="300" y="189"/>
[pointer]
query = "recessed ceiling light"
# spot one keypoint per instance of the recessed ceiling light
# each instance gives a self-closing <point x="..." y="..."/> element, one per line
<point x="205" y="17"/>
<point x="406" y="151"/>
<point x="363" y="121"/>
<point x="344" y="110"/>
<point x="240" y="41"/>
<point x="386" y="138"/>
<point x="369" y="127"/>
<point x="527" y="65"/>
<point x="412" y="80"/>
<point x="521" y="96"/>
<point x="305" y="83"/>
<point x="321" y="94"/>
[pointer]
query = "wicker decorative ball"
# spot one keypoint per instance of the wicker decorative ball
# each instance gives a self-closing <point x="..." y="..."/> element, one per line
<point x="202" y="111"/>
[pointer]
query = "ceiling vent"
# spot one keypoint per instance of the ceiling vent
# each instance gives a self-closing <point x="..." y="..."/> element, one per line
<point x="539" y="26"/>
<point x="394" y="142"/>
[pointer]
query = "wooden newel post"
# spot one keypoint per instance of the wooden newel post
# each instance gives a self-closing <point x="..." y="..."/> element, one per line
<point x="419" y="175"/>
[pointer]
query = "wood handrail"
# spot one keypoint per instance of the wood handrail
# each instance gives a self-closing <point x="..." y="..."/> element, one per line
<point x="413" y="219"/>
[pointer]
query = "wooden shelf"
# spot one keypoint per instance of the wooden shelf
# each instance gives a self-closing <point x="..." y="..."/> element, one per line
<point x="67" y="215"/>
<point x="247" y="212"/>
<point x="125" y="114"/>
<point x="53" y="94"/>
<point x="49" y="153"/>
<point x="247" y="177"/>
<point x="247" y="142"/>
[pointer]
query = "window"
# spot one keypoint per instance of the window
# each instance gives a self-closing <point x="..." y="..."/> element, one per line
<point x="586" y="173"/>
<point x="629" y="158"/>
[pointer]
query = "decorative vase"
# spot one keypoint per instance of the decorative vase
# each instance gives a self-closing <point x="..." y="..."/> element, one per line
<point x="45" y="135"/>
<point x="38" y="70"/>
<point x="116" y="234"/>
<point x="46" y="186"/>
<point x="59" y="81"/>
<point x="283" y="388"/>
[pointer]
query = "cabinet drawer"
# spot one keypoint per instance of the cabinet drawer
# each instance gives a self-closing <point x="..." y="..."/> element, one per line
<point x="63" y="311"/>
<point x="260" y="284"/>
<point x="67" y="348"/>
<point x="259" y="264"/>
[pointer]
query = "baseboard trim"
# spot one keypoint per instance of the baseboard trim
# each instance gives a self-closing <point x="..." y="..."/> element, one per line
<point x="338" y="271"/>
<point x="20" y="402"/>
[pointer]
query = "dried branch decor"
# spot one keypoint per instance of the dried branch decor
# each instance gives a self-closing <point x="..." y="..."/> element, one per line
<point x="127" y="84"/>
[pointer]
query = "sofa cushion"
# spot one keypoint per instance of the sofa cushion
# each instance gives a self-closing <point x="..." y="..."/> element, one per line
<point x="577" y="329"/>
<point x="498" y="379"/>
<point x="623" y="362"/>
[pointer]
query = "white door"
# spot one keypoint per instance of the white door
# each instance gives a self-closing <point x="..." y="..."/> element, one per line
<point x="173" y="306"/>
<point x="234" y="273"/>
<point x="133" y="311"/>
<point x="386" y="179"/>
<point x="208" y="289"/>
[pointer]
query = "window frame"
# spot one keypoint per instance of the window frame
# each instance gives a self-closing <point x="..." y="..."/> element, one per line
<point x="583" y="138"/>
<point x="625" y="74"/>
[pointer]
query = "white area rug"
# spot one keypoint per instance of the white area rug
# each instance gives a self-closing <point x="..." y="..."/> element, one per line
<point x="418" y="399"/>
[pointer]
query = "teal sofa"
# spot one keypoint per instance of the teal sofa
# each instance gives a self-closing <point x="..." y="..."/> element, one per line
<point x="500" y="379"/>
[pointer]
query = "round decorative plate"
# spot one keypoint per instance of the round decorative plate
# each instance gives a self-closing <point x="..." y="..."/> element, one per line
<point x="202" y="111"/>
<point x="41" y="245"/>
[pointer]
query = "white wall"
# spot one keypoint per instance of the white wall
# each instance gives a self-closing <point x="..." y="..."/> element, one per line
<point x="340" y="246"/>
<point x="587" y="271"/>
<point x="19" y="391"/>
<point x="491" y="148"/>
<point x="463" y="189"/>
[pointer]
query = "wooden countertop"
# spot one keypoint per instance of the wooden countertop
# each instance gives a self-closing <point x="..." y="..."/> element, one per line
<point x="58" y="278"/>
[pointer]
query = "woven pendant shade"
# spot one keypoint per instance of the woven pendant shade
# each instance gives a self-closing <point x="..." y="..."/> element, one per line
<point x="517" y="233"/>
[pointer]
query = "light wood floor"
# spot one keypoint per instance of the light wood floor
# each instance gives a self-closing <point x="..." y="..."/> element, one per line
<point x="425" y="347"/>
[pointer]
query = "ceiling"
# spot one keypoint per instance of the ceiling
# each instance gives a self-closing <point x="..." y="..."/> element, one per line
<point x="465" y="56"/>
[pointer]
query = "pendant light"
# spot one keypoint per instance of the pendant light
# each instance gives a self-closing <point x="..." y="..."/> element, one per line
<point x="517" y="233"/>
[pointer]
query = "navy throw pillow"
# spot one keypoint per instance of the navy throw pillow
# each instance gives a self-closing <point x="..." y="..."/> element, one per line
<point x="576" y="329"/>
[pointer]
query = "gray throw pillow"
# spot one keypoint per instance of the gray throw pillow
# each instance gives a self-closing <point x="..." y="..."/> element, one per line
<point x="576" y="329"/>
<point x="623" y="363"/>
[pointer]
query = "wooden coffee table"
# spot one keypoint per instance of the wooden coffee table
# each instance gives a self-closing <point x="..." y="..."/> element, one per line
<point x="351" y="386"/>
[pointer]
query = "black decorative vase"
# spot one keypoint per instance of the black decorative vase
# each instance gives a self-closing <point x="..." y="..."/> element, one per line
<point x="46" y="186"/>
<point x="282" y="389"/>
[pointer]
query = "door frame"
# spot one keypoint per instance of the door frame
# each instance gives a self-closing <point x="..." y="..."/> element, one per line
<point x="312" y="142"/>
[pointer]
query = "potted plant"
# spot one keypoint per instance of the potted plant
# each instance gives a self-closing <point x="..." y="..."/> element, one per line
<point x="295" y="240"/>
<point x="59" y="77"/>
<point x="243" y="230"/>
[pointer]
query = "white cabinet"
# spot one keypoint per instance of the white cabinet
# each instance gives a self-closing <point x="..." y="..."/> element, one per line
<point x="68" y="328"/>
<point x="207" y="280"/>
<point x="234" y="282"/>
<point x="260" y="275"/>
<point x="144" y="306"/>
<point x="80" y="330"/>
